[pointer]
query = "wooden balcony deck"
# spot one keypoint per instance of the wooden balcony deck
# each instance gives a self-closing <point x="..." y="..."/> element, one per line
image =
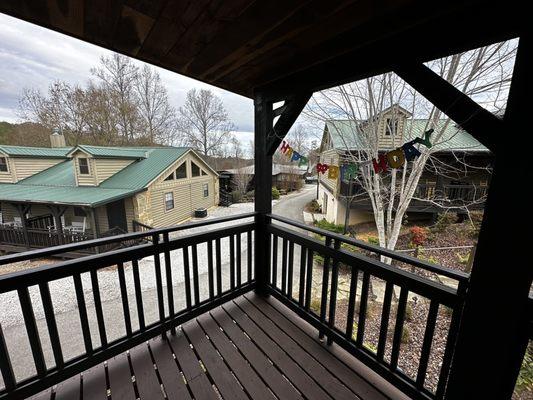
<point x="250" y="347"/>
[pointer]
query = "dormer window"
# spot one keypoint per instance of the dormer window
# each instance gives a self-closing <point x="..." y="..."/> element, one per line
<point x="3" y="164"/>
<point x="83" y="166"/>
<point x="391" y="127"/>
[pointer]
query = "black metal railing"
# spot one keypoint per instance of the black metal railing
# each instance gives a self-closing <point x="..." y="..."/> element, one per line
<point x="315" y="298"/>
<point x="39" y="237"/>
<point x="224" y="279"/>
<point x="140" y="227"/>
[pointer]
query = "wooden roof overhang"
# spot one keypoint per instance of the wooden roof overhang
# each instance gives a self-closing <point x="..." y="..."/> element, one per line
<point x="277" y="46"/>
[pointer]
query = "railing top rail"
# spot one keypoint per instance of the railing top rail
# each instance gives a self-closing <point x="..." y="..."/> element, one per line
<point x="50" y="272"/>
<point x="49" y="251"/>
<point x="459" y="276"/>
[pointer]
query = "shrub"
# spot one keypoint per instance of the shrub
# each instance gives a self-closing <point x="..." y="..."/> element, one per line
<point x="329" y="226"/>
<point x="419" y="235"/>
<point x="275" y="193"/>
<point x="315" y="305"/>
<point x="409" y="313"/>
<point x="406" y="335"/>
<point x="236" y="196"/>
<point x="463" y="259"/>
<point x="373" y="240"/>
<point x="525" y="378"/>
<point x="314" y="207"/>
<point x="443" y="221"/>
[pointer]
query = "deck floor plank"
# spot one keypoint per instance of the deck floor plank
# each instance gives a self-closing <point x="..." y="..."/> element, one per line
<point x="223" y="378"/>
<point x="173" y="382"/>
<point x="320" y="375"/>
<point x="244" y="372"/>
<point x="280" y="385"/>
<point x="318" y="350"/>
<point x="145" y="376"/>
<point x="293" y="371"/>
<point x="69" y="389"/>
<point x="120" y="380"/>
<point x="196" y="378"/>
<point x="94" y="383"/>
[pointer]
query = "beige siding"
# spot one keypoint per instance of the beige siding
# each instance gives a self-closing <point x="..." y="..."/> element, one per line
<point x="9" y="176"/>
<point x="85" y="179"/>
<point x="188" y="195"/>
<point x="387" y="142"/>
<point x="130" y="213"/>
<point x="104" y="167"/>
<point x="101" y="219"/>
<point x="25" y="167"/>
<point x="8" y="212"/>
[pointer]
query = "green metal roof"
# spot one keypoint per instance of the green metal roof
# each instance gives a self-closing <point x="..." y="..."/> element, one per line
<point x="345" y="135"/>
<point x="24" y="151"/>
<point x="112" y="152"/>
<point x="57" y="184"/>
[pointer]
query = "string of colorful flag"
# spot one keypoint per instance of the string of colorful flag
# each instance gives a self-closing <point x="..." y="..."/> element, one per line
<point x="392" y="159"/>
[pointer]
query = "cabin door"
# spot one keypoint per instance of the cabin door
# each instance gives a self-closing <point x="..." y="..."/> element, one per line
<point x="116" y="215"/>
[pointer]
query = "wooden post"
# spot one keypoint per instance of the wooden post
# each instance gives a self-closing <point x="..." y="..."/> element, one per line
<point x="493" y="335"/>
<point x="57" y="212"/>
<point x="263" y="191"/>
<point x="23" y="209"/>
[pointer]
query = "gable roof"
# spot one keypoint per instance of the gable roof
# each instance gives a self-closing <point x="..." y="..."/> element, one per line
<point x="45" y="152"/>
<point x="57" y="184"/>
<point x="346" y="135"/>
<point x="111" y="152"/>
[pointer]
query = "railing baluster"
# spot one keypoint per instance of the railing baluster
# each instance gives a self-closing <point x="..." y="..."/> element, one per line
<point x="398" y="328"/>
<point x="385" y="314"/>
<point x="284" y="267"/>
<point x="219" y="267"/>
<point x="232" y="261"/>
<point x="426" y="346"/>
<point x="51" y="323"/>
<point x="289" y="269"/>
<point x="195" y="277"/>
<point x="5" y="364"/>
<point x="301" y="293"/>
<point x="309" y="279"/>
<point x="239" y="264"/>
<point x="124" y="298"/>
<point x="158" y="279"/>
<point x="31" y="330"/>
<point x="354" y="275"/>
<point x="82" y="309"/>
<point x="325" y="285"/>
<point x="98" y="308"/>
<point x="187" y="277"/>
<point x="361" y="321"/>
<point x="138" y="293"/>
<point x="333" y="294"/>
<point x="210" y="269"/>
<point x="168" y="273"/>
<point x="249" y="249"/>
<point x="274" y="261"/>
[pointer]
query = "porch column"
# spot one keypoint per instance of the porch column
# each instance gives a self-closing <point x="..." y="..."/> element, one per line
<point x="263" y="191"/>
<point x="57" y="213"/>
<point x="23" y="209"/>
<point x="493" y="334"/>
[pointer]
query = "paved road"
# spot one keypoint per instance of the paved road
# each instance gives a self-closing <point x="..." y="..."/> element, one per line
<point x="292" y="206"/>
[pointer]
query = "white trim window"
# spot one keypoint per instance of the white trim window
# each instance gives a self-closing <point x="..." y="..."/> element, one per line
<point x="83" y="165"/>
<point x="3" y="164"/>
<point x="169" y="201"/>
<point x="206" y="189"/>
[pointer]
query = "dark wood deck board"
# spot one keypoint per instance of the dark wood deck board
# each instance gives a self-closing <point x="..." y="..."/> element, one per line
<point x="268" y="372"/>
<point x="250" y="347"/>
<point x="320" y="375"/>
<point x="247" y="376"/>
<point x="94" y="383"/>
<point x="173" y="382"/>
<point x="318" y="350"/>
<point x="120" y="380"/>
<point x="196" y="378"/>
<point x="145" y="376"/>
<point x="293" y="371"/>
<point x="224" y="380"/>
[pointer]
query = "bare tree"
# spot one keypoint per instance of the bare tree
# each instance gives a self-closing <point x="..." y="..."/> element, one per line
<point x="204" y="121"/>
<point x="236" y="147"/>
<point x="117" y="75"/>
<point x="159" y="117"/>
<point x="483" y="73"/>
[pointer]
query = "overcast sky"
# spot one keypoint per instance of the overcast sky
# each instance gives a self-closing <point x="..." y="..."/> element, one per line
<point x="31" y="56"/>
